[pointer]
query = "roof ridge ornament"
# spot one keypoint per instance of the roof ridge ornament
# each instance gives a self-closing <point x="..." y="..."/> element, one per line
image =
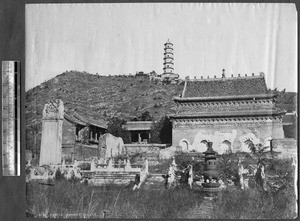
<point x="223" y="73"/>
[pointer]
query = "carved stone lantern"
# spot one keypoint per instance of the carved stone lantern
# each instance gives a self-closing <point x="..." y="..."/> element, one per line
<point x="211" y="176"/>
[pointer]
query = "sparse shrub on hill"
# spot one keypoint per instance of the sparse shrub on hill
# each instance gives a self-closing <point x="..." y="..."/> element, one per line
<point x="157" y="97"/>
<point x="123" y="90"/>
<point x="145" y="116"/>
<point x="157" y="105"/>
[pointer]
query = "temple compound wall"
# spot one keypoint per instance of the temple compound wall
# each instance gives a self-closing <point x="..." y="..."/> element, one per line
<point x="232" y="113"/>
<point x="226" y="136"/>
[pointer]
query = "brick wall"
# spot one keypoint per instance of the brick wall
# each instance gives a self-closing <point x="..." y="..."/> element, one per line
<point x="189" y="130"/>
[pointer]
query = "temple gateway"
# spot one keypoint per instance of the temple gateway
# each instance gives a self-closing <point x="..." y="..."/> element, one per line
<point x="231" y="112"/>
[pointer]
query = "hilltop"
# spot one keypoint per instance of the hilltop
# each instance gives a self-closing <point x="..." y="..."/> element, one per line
<point x="123" y="96"/>
<point x="102" y="97"/>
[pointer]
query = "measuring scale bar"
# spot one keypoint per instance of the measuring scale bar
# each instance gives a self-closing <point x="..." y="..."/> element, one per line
<point x="11" y="118"/>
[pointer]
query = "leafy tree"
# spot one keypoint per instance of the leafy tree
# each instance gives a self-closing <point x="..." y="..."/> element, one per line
<point x="145" y="116"/>
<point x="115" y="128"/>
<point x="161" y="131"/>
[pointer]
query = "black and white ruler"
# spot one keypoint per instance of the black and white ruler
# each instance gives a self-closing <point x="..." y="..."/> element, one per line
<point x="11" y="118"/>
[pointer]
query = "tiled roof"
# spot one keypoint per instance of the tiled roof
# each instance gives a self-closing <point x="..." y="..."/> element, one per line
<point x="220" y="87"/>
<point x="224" y="98"/>
<point x="93" y="122"/>
<point x="74" y="120"/>
<point x="252" y="113"/>
<point x="138" y="125"/>
<point x="85" y="121"/>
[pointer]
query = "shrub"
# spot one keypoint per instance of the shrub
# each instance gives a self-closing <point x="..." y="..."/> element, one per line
<point x="277" y="201"/>
<point x="115" y="128"/>
<point x="255" y="204"/>
<point x="59" y="175"/>
<point x="227" y="167"/>
<point x="161" y="131"/>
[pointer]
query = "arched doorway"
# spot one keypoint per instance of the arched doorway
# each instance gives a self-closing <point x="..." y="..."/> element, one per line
<point x="225" y="147"/>
<point x="185" y="145"/>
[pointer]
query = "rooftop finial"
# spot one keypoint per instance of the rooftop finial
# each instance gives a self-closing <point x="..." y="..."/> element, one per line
<point x="223" y="73"/>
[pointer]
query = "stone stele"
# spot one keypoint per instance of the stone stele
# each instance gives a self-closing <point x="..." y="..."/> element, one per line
<point x="52" y="121"/>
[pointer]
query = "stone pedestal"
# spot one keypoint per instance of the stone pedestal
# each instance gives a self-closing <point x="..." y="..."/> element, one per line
<point x="52" y="121"/>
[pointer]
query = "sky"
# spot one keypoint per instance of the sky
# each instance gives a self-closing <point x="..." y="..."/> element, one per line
<point x="113" y="39"/>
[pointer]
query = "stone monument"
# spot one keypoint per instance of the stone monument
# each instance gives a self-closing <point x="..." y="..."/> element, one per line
<point x="53" y="115"/>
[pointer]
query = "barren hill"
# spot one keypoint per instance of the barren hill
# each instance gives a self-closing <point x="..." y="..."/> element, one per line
<point x="101" y="97"/>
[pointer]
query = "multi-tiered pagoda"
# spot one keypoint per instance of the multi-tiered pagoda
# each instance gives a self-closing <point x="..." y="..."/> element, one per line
<point x="231" y="112"/>
<point x="169" y="62"/>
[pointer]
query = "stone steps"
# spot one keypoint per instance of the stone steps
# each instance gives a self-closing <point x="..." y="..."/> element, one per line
<point x="107" y="178"/>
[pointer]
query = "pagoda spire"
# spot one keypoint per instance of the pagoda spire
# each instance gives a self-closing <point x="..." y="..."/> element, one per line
<point x="168" y="58"/>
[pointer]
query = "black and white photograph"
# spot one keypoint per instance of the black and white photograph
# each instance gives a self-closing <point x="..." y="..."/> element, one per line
<point x="161" y="110"/>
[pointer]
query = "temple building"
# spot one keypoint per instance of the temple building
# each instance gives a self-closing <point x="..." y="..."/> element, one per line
<point x="231" y="112"/>
<point x="169" y="62"/>
<point x="139" y="131"/>
<point x="74" y="126"/>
